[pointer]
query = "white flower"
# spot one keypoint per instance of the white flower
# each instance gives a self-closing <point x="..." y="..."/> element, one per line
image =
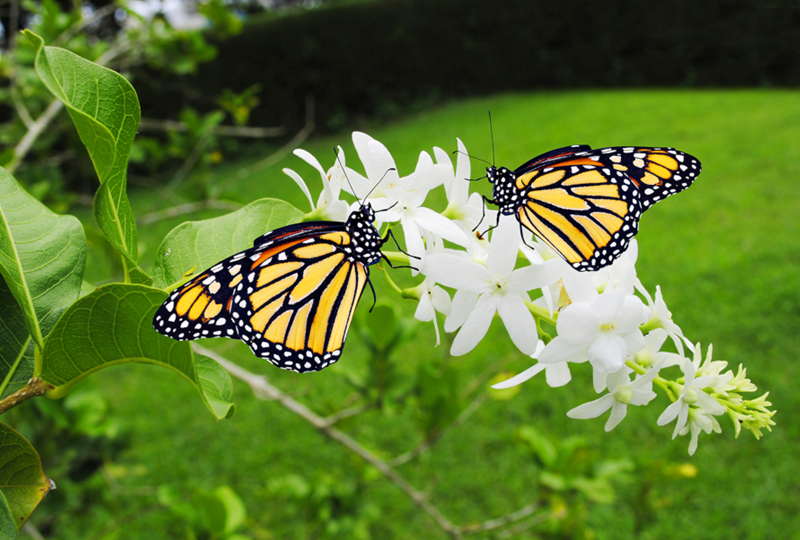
<point x="432" y="299"/>
<point x="699" y="420"/>
<point x="603" y="331"/>
<point x="659" y="316"/>
<point x="651" y="352"/>
<point x="328" y="206"/>
<point x="483" y="291"/>
<point x="556" y="374"/>
<point x="462" y="206"/>
<point x="621" y="393"/>
<point x="694" y="398"/>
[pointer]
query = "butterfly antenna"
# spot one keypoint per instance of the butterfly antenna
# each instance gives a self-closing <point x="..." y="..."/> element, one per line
<point x="471" y="157"/>
<point x="352" y="189"/>
<point x="378" y="182"/>
<point x="387" y="209"/>
<point x="491" y="134"/>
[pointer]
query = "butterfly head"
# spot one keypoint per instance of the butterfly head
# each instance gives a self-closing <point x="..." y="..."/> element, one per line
<point x="368" y="213"/>
<point x="505" y="193"/>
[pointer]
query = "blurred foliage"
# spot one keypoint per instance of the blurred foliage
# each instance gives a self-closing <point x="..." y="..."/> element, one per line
<point x="240" y="105"/>
<point x="331" y="507"/>
<point x="76" y="437"/>
<point x="216" y="515"/>
<point x="350" y="56"/>
<point x="96" y="33"/>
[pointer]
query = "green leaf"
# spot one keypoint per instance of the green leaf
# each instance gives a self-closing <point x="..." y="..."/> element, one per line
<point x="224" y="510"/>
<point x="540" y="445"/>
<point x="42" y="258"/>
<point x="554" y="481"/>
<point x="16" y="345"/>
<point x="8" y="529"/>
<point x="104" y="107"/>
<point x="22" y="481"/>
<point x="201" y="244"/>
<point x="598" y="490"/>
<point x="114" y="325"/>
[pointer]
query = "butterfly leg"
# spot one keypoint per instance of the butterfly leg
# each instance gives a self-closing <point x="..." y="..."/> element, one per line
<point x="374" y="296"/>
<point x="483" y="211"/>
<point x="386" y="239"/>
<point x="522" y="235"/>
<point x="497" y="223"/>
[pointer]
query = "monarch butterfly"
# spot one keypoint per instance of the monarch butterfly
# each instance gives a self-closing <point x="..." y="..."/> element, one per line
<point x="291" y="297"/>
<point x="586" y="204"/>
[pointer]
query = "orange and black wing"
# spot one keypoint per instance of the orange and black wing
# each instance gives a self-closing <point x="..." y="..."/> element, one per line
<point x="586" y="204"/>
<point x="291" y="297"/>
<point x="294" y="306"/>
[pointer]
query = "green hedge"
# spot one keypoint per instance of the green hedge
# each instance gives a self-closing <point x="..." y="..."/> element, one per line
<point x="384" y="57"/>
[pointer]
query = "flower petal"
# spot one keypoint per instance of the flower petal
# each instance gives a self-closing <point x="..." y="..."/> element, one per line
<point x="520" y="378"/>
<point x="608" y="305"/>
<point x="607" y="353"/>
<point x="557" y="374"/>
<point x="504" y="246"/>
<point x="578" y="324"/>
<point x="302" y="183"/>
<point x="558" y="350"/>
<point x="534" y="276"/>
<point x="476" y="325"/>
<point x="456" y="271"/>
<point x="593" y="409"/>
<point x="439" y="225"/>
<point x="463" y="303"/>
<point x="618" y="412"/>
<point x="519" y="322"/>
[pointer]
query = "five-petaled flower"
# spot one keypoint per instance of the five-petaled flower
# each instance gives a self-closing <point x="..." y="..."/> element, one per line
<point x="482" y="291"/>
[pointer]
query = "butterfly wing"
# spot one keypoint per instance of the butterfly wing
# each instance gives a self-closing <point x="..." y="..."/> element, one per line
<point x="657" y="172"/>
<point x="586" y="204"/>
<point x="200" y="308"/>
<point x="551" y="156"/>
<point x="294" y="306"/>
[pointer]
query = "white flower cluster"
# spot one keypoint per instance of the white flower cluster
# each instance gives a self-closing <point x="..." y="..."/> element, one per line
<point x="598" y="316"/>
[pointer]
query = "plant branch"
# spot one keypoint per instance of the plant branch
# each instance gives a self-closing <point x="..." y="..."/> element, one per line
<point x="187" y="208"/>
<point x="274" y="158"/>
<point x="35" y="387"/>
<point x="265" y="391"/>
<point x="190" y="162"/>
<point x="534" y="521"/>
<point x="150" y="124"/>
<point x="34" y="130"/>
<point x="493" y="524"/>
<point x="67" y="34"/>
<point x="347" y="413"/>
<point x="487" y="374"/>
<point x="19" y="106"/>
<point x="428" y="443"/>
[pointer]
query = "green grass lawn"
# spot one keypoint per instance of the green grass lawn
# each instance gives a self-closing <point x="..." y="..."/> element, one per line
<point x="726" y="254"/>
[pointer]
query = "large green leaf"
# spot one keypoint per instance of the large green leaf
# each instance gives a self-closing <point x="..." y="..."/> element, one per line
<point x="8" y="529"/>
<point x="114" y="325"/>
<point x="22" y="481"/>
<point x="16" y="345"/>
<point x="42" y="258"/>
<point x="201" y="244"/>
<point x="105" y="110"/>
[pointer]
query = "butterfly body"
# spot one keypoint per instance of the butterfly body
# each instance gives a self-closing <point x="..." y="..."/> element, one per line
<point x="291" y="297"/>
<point x="586" y="204"/>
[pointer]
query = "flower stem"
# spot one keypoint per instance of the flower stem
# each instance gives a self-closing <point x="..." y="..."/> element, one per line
<point x="541" y="313"/>
<point x="660" y="381"/>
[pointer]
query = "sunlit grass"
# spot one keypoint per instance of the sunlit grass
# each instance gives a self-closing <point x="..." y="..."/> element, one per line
<point x="726" y="254"/>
